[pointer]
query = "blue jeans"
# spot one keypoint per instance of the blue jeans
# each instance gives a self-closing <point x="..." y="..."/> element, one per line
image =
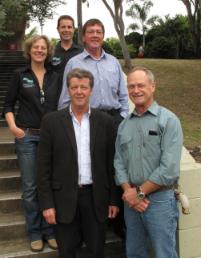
<point x="156" y="226"/>
<point x="37" y="227"/>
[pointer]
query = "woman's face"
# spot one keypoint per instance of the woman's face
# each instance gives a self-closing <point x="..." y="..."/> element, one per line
<point x="38" y="51"/>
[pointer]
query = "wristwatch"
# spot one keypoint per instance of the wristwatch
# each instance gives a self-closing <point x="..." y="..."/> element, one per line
<point x="140" y="194"/>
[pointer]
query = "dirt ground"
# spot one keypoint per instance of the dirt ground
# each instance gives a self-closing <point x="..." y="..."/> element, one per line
<point x="196" y="153"/>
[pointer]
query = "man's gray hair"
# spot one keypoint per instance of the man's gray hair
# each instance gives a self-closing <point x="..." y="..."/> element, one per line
<point x="147" y="71"/>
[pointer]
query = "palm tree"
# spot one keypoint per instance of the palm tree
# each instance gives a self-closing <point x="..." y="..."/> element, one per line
<point x="140" y="13"/>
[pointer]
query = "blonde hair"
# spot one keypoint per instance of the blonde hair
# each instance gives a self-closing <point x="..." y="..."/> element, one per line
<point x="29" y="43"/>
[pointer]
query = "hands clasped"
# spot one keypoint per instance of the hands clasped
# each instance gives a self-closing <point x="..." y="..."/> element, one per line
<point x="130" y="197"/>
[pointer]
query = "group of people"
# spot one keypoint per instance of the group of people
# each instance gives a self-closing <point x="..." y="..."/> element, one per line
<point x="83" y="158"/>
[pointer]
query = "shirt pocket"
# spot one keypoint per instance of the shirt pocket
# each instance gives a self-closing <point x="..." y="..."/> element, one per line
<point x="112" y="77"/>
<point x="152" y="145"/>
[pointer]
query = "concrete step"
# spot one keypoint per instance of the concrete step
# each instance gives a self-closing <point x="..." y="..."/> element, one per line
<point x="10" y="218"/>
<point x="3" y="85"/>
<point x="12" y="226"/>
<point x="20" y="248"/>
<point x="111" y="251"/>
<point x="8" y="162"/>
<point x="10" y="180"/>
<point x="6" y="136"/>
<point x="7" y="148"/>
<point x="3" y="92"/>
<point x="10" y="202"/>
<point x="5" y="75"/>
<point x="3" y="123"/>
<point x="2" y="98"/>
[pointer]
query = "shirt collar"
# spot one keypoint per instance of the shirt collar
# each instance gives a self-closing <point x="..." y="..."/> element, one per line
<point x="72" y="114"/>
<point x="27" y="68"/>
<point x="153" y="109"/>
<point x="59" y="47"/>
<point x="86" y="54"/>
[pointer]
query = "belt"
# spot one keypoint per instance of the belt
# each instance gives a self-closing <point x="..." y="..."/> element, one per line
<point x="31" y="131"/>
<point x="84" y="186"/>
<point x="162" y="188"/>
<point x="111" y="112"/>
<point x="166" y="187"/>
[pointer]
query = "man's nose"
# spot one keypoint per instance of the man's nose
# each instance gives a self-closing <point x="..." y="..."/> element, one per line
<point x="79" y="90"/>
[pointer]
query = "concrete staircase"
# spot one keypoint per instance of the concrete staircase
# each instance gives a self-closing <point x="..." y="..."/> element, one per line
<point x="13" y="239"/>
<point x="9" y="61"/>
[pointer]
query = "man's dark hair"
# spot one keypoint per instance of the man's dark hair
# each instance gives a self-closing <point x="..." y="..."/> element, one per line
<point x="80" y="74"/>
<point x="65" y="17"/>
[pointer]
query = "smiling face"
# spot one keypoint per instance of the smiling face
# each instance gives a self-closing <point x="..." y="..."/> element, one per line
<point x="66" y="29"/>
<point x="38" y="51"/>
<point x="93" y="37"/>
<point x="140" y="90"/>
<point x="79" y="91"/>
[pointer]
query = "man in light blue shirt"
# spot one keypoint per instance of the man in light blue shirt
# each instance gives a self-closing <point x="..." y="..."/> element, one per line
<point x="110" y="93"/>
<point x="147" y="164"/>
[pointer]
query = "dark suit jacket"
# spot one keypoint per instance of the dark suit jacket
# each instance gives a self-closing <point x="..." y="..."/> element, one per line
<point x="58" y="164"/>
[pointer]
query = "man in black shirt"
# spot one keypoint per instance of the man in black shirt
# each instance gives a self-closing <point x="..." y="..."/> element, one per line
<point x="66" y="48"/>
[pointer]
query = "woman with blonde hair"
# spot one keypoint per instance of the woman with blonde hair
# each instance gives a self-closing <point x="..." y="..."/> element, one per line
<point x="36" y="89"/>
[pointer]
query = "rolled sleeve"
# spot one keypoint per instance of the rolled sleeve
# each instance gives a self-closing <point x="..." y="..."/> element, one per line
<point x="167" y="173"/>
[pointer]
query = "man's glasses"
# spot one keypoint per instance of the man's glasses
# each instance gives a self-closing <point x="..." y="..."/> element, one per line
<point x="42" y="96"/>
<point x="91" y="32"/>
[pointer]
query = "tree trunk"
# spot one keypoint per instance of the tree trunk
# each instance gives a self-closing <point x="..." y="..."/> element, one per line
<point x="119" y="27"/>
<point x="126" y="55"/>
<point x="79" y="21"/>
<point x="194" y="22"/>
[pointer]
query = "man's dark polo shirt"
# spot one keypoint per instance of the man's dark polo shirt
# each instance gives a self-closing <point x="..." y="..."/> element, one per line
<point x="61" y="56"/>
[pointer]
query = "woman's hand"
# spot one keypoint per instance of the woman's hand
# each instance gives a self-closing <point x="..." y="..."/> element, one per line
<point x="17" y="132"/>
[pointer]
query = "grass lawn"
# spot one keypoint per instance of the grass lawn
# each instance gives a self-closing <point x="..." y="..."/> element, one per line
<point x="179" y="89"/>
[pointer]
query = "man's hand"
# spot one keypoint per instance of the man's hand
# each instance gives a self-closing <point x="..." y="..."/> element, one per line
<point x="50" y="216"/>
<point x="142" y="205"/>
<point x="130" y="196"/>
<point x="112" y="212"/>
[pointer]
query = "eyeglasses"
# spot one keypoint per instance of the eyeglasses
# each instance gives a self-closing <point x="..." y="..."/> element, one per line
<point x="98" y="32"/>
<point x="42" y="96"/>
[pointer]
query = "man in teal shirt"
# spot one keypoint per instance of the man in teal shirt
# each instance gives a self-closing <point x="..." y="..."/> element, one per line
<point x="147" y="163"/>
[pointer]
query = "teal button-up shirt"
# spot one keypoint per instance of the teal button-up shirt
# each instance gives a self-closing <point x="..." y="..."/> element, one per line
<point x="148" y="147"/>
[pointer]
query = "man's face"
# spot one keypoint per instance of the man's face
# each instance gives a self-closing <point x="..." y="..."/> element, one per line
<point x="140" y="89"/>
<point x="79" y="91"/>
<point x="66" y="30"/>
<point x="93" y="37"/>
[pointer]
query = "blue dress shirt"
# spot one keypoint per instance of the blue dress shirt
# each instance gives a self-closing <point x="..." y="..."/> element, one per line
<point x="109" y="90"/>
